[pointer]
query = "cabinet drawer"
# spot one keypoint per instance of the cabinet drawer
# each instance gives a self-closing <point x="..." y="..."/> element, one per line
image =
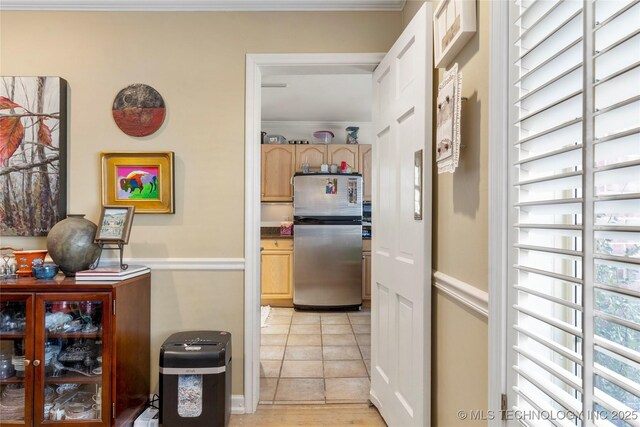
<point x="277" y="244"/>
<point x="366" y="245"/>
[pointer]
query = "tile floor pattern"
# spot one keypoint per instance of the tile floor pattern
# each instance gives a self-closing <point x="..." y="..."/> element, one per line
<point x="311" y="357"/>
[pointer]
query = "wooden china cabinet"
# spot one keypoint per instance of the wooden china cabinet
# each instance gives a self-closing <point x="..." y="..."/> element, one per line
<point x="73" y="353"/>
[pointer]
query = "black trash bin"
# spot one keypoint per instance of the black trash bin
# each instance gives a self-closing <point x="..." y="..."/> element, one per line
<point x="195" y="379"/>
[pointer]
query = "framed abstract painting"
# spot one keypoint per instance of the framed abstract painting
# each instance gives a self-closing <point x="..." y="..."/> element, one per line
<point x="33" y="154"/>
<point x="141" y="179"/>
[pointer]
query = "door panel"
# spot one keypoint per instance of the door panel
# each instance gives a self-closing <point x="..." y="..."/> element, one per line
<point x="401" y="299"/>
<point x="313" y="154"/>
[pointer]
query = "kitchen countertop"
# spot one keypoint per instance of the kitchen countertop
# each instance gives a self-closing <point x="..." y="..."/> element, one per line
<point x="273" y="233"/>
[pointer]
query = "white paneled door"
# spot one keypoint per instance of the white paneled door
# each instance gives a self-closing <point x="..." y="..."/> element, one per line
<point x="401" y="296"/>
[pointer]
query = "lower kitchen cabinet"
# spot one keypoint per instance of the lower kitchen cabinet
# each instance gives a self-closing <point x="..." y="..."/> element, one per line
<point x="74" y="353"/>
<point x="366" y="272"/>
<point x="277" y="272"/>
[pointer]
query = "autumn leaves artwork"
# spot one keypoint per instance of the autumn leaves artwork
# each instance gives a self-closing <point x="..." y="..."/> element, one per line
<point x="32" y="154"/>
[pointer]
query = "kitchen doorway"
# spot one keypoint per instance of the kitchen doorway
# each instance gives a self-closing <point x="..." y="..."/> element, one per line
<point x="401" y="254"/>
<point x="260" y="66"/>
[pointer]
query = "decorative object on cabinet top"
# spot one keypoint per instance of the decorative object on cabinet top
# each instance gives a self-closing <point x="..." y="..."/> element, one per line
<point x="325" y="136"/>
<point x="141" y="179"/>
<point x="33" y="154"/>
<point x="71" y="244"/>
<point x="27" y="259"/>
<point x="45" y="271"/>
<point x="113" y="232"/>
<point x="138" y="110"/>
<point x="352" y="134"/>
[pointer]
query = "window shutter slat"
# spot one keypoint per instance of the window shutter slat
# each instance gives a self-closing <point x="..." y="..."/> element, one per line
<point x="535" y="406"/>
<point x="553" y="346"/>
<point x="617" y="348"/>
<point x="554" y="392"/>
<point x="569" y="379"/>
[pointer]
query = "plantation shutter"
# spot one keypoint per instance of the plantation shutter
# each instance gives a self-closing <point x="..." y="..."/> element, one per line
<point x="574" y="257"/>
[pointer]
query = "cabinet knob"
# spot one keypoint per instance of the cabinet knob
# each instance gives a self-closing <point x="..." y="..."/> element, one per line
<point x="276" y="243"/>
<point x="36" y="362"/>
<point x="26" y="362"/>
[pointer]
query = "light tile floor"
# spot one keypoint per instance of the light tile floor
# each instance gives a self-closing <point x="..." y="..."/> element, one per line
<point x="310" y="357"/>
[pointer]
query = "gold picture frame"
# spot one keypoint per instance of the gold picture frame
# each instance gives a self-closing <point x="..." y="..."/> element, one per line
<point x="141" y="179"/>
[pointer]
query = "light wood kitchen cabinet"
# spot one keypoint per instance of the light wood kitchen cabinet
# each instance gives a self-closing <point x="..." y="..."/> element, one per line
<point x="314" y="154"/>
<point x="365" y="163"/>
<point x="366" y="272"/>
<point x="338" y="153"/>
<point x="278" y="166"/>
<point x="277" y="272"/>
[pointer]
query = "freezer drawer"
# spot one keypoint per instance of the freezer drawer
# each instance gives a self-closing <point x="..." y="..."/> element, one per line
<point x="327" y="195"/>
<point x="327" y="265"/>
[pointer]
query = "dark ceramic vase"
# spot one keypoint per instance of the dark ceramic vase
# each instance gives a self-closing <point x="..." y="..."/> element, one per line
<point x="70" y="244"/>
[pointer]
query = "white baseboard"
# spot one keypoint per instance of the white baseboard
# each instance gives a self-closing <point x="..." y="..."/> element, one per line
<point x="467" y="294"/>
<point x="237" y="404"/>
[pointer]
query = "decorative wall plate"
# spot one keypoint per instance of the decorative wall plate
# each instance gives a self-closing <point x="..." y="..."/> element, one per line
<point x="138" y="110"/>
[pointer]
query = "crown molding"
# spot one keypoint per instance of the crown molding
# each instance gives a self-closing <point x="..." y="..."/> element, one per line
<point x="203" y="5"/>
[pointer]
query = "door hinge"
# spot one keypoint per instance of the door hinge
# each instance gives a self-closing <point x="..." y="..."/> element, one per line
<point x="503" y="406"/>
<point x="113" y="410"/>
<point x="114" y="307"/>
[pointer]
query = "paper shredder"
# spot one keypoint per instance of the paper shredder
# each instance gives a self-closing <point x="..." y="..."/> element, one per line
<point x="195" y="379"/>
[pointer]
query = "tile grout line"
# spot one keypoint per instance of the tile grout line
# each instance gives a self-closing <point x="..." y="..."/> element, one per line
<point x="286" y="343"/>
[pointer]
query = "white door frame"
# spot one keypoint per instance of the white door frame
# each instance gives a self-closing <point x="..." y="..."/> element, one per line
<point x="256" y="65"/>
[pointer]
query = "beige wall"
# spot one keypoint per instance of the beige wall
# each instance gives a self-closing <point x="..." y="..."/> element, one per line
<point x="460" y="227"/>
<point x="197" y="62"/>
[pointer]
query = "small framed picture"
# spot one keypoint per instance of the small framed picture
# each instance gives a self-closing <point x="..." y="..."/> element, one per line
<point x="454" y="24"/>
<point x="115" y="224"/>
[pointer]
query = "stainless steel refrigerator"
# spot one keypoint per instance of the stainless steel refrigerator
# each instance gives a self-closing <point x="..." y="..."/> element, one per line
<point x="327" y="240"/>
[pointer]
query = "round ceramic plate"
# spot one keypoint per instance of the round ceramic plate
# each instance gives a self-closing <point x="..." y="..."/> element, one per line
<point x="138" y="110"/>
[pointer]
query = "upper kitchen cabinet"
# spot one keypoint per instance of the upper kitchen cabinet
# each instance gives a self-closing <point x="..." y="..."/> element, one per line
<point x="339" y="153"/>
<point x="278" y="166"/>
<point x="313" y="154"/>
<point x="364" y="164"/>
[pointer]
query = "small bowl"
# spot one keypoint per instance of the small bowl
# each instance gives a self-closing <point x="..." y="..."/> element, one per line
<point x="45" y="271"/>
<point x="25" y="260"/>
<point x="324" y="136"/>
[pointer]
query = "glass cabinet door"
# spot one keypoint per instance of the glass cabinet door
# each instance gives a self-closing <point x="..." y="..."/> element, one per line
<point x="16" y="375"/>
<point x="70" y="384"/>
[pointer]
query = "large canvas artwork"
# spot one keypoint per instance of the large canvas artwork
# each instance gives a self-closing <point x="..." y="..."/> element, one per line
<point x="33" y="142"/>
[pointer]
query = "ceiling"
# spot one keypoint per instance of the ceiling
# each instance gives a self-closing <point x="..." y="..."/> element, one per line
<point x="317" y="98"/>
<point x="204" y="5"/>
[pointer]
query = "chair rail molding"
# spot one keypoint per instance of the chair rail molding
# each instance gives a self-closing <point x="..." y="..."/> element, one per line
<point x="187" y="264"/>
<point x="204" y="5"/>
<point x="474" y="298"/>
